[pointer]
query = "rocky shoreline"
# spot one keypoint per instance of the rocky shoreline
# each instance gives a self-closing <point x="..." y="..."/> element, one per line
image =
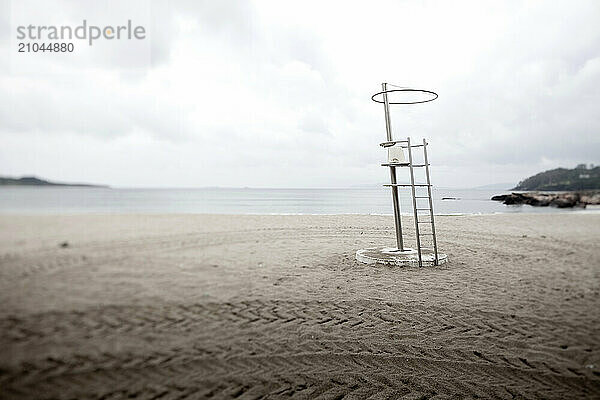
<point x="558" y="199"/>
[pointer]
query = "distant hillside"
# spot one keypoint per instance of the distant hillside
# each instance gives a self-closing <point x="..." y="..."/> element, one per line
<point x="33" y="181"/>
<point x="579" y="178"/>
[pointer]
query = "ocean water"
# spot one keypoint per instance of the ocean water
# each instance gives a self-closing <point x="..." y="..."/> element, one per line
<point x="81" y="200"/>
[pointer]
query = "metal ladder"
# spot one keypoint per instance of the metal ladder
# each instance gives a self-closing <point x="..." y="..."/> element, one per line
<point x="416" y="207"/>
<point x="405" y="144"/>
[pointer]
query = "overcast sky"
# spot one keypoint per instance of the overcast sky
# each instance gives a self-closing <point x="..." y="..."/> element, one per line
<point x="277" y="93"/>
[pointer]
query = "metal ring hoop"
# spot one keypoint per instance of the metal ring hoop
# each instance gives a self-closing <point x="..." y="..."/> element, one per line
<point x="434" y="94"/>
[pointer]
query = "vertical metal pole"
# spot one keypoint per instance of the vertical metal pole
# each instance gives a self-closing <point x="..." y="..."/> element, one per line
<point x="435" y="251"/>
<point x="414" y="200"/>
<point x="388" y="129"/>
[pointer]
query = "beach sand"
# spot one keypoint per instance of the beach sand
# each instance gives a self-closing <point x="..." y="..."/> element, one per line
<point x="200" y="306"/>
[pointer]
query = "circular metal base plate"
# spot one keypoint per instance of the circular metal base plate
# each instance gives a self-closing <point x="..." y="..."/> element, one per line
<point x="395" y="257"/>
<point x="397" y="251"/>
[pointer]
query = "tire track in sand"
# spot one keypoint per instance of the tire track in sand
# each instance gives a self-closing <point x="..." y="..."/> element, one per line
<point x="263" y="347"/>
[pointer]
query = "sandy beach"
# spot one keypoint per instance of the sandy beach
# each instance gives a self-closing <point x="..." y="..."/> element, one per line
<point x="220" y="306"/>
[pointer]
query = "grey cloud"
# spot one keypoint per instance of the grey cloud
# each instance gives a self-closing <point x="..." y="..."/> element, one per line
<point x="87" y="108"/>
<point x="246" y="97"/>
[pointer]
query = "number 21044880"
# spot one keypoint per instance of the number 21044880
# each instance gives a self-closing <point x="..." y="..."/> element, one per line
<point x="46" y="47"/>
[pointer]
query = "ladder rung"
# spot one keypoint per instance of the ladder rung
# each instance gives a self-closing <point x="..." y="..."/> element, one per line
<point x="423" y="234"/>
<point x="393" y="142"/>
<point x="403" y="165"/>
<point x="423" y="222"/>
<point x="421" y="197"/>
<point x="395" y="164"/>
<point x="405" y="184"/>
<point x="422" y="209"/>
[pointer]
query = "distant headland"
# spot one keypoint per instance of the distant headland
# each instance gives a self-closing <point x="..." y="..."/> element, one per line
<point x="34" y="181"/>
<point x="577" y="187"/>
<point x="582" y="177"/>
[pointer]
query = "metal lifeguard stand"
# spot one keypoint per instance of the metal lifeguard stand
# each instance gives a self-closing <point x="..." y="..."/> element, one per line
<point x="421" y="200"/>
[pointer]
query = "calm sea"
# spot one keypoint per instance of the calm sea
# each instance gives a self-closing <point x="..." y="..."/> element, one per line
<point x="79" y="200"/>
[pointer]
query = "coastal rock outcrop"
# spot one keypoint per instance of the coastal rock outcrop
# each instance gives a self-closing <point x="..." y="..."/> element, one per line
<point x="559" y="199"/>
